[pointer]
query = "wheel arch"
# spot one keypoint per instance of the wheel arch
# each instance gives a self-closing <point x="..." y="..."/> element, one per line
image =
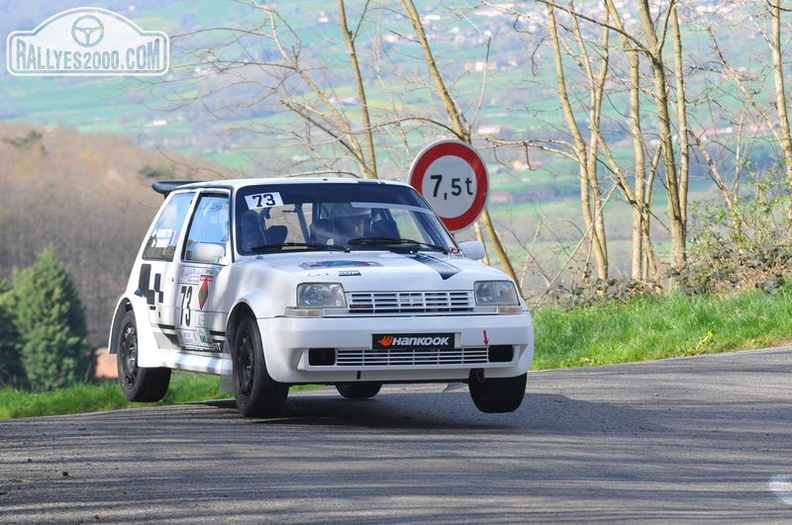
<point x="124" y="306"/>
<point x="239" y="312"/>
<point x="255" y="392"/>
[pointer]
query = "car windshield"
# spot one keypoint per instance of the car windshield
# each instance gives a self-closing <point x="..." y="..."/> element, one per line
<point x="336" y="216"/>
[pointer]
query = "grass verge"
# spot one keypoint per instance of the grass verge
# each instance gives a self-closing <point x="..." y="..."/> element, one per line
<point x="185" y="387"/>
<point x="658" y="327"/>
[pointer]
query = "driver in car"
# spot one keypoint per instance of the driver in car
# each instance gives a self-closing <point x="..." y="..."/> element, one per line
<point x="349" y="222"/>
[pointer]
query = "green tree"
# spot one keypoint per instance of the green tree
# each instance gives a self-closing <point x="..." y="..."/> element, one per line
<point x="11" y="371"/>
<point x="50" y="319"/>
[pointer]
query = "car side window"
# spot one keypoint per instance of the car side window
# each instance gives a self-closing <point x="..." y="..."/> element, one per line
<point x="208" y="234"/>
<point x="161" y="245"/>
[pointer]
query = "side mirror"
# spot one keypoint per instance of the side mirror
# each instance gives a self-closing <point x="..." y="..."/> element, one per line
<point x="472" y="250"/>
<point x="206" y="252"/>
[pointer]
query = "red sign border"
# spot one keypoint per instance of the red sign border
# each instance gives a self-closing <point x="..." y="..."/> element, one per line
<point x="465" y="151"/>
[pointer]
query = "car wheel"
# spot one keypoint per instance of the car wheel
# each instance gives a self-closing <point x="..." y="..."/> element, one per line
<point x="256" y="393"/>
<point x="137" y="384"/>
<point x="358" y="390"/>
<point x="497" y="394"/>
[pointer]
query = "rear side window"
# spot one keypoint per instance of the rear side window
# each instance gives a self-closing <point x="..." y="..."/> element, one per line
<point x="161" y="244"/>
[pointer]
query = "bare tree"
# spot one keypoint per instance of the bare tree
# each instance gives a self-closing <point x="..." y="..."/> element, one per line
<point x="676" y="176"/>
<point x="369" y="159"/>
<point x="644" y="267"/>
<point x="756" y="111"/>
<point x="593" y="57"/>
<point x="321" y="107"/>
<point x="459" y="124"/>
<point x="784" y="133"/>
<point x="586" y="154"/>
<point x="669" y="117"/>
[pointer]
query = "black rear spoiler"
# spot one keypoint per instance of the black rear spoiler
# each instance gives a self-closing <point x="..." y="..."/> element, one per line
<point x="164" y="187"/>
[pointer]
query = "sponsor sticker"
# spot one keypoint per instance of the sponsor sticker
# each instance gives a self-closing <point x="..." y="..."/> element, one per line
<point x="195" y="275"/>
<point x="338" y="264"/>
<point x="164" y="238"/>
<point x="203" y="291"/>
<point x="87" y="41"/>
<point x="395" y="341"/>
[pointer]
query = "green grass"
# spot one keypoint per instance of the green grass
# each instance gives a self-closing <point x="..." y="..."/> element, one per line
<point x="661" y="327"/>
<point x="185" y="387"/>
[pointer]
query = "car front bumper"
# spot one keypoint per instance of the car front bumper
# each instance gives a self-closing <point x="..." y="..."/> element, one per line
<point x="288" y="342"/>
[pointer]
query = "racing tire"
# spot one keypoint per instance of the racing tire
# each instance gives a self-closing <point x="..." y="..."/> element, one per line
<point x="137" y="384"/>
<point x="255" y="392"/>
<point x="358" y="390"/>
<point x="497" y="395"/>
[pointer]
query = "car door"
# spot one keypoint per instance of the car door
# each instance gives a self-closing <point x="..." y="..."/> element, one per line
<point x="199" y="310"/>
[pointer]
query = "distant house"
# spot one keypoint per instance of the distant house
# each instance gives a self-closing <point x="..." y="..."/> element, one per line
<point x="494" y="129"/>
<point x="344" y="101"/>
<point x="480" y="65"/>
<point x="713" y="133"/>
<point x="500" y="197"/>
<point x="105" y="364"/>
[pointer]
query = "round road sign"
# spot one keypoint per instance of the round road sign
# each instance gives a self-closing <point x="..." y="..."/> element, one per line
<point x="453" y="179"/>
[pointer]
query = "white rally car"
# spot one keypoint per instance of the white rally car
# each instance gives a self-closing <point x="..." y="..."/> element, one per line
<point x="345" y="282"/>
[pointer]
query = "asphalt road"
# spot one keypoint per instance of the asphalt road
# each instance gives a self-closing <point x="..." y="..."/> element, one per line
<point x="704" y="439"/>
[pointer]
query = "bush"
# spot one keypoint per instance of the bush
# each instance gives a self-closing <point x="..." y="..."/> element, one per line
<point x="742" y="246"/>
<point x="50" y="321"/>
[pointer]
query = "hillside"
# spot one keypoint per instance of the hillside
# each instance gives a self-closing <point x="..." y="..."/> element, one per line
<point x="87" y="195"/>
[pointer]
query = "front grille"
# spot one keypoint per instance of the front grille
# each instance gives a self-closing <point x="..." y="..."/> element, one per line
<point x="411" y="357"/>
<point x="412" y="303"/>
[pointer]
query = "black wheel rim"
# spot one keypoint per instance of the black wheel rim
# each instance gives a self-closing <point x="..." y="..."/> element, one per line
<point x="245" y="370"/>
<point x="129" y="368"/>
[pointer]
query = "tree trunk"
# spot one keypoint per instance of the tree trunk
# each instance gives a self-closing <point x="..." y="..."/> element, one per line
<point x="780" y="93"/>
<point x="582" y="156"/>
<point x="676" y="192"/>
<point x="370" y="164"/>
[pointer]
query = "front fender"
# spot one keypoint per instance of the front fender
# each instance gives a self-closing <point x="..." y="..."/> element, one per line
<point x="262" y="303"/>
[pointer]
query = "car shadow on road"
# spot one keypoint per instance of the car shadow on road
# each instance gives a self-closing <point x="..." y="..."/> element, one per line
<point x="539" y="413"/>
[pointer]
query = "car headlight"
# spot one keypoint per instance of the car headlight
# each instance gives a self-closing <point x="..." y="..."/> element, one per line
<point x="496" y="293"/>
<point x="320" y="295"/>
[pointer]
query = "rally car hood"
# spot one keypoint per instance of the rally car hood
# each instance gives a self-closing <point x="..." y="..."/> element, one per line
<point x="379" y="270"/>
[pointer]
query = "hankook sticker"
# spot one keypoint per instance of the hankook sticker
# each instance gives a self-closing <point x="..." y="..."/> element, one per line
<point x="383" y="341"/>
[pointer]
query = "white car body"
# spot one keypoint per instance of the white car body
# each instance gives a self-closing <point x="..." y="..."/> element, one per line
<point x="403" y="313"/>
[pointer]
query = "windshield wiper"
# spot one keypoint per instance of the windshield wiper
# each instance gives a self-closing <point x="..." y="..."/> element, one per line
<point x="392" y="241"/>
<point x="279" y="247"/>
